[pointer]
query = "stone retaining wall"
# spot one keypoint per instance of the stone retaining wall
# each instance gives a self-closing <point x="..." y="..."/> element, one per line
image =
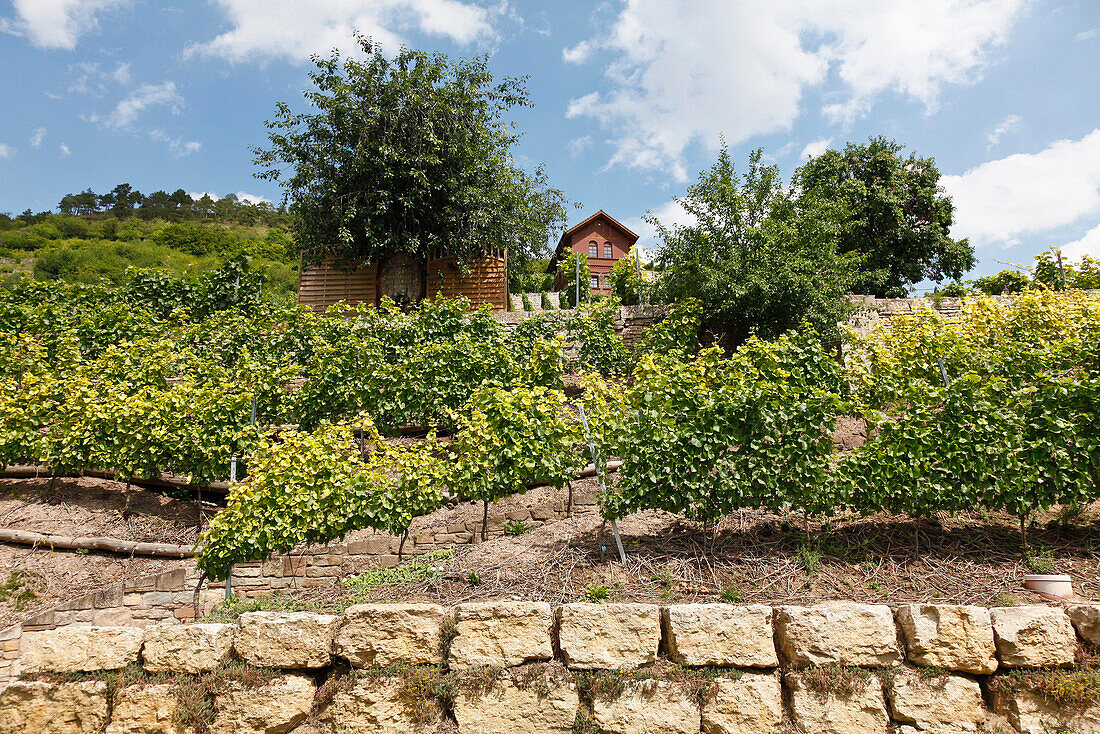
<point x="169" y="597"/>
<point x="621" y="668"/>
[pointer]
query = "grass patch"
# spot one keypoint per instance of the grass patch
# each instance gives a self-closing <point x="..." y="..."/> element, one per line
<point x="731" y="595"/>
<point x="425" y="567"/>
<point x="1040" y="561"/>
<point x="584" y="725"/>
<point x="21" y="588"/>
<point x="838" y="680"/>
<point x="607" y="685"/>
<point x="230" y="610"/>
<point x="1075" y="687"/>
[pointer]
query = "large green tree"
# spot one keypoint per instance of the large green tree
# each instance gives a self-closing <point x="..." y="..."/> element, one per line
<point x="757" y="262"/>
<point x="899" y="218"/>
<point x="408" y="154"/>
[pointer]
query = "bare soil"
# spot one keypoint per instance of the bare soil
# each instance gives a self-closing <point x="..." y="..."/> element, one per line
<point x="82" y="507"/>
<point x="760" y="558"/>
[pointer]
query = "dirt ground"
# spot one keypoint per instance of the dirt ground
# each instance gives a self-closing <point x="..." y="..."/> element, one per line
<point x="80" y="507"/>
<point x="762" y="558"/>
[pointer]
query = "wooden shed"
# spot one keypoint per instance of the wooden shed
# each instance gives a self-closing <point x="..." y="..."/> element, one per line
<point x="407" y="280"/>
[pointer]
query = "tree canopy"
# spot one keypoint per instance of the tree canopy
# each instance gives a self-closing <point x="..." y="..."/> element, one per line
<point x="898" y="216"/>
<point x="412" y="154"/>
<point x="757" y="262"/>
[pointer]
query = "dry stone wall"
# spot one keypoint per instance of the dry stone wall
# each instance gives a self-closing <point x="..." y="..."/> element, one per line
<point x="511" y="666"/>
<point x="169" y="597"/>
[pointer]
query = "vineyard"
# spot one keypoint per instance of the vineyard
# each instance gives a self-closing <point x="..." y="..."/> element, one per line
<point x="993" y="409"/>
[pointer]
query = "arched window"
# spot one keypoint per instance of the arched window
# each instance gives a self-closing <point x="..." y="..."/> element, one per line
<point x="607" y="251"/>
<point x="593" y="250"/>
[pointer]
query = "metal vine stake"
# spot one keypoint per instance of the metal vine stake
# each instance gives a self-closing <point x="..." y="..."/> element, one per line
<point x="599" y="475"/>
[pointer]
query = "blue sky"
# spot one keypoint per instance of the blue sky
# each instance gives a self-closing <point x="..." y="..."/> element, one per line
<point x="631" y="95"/>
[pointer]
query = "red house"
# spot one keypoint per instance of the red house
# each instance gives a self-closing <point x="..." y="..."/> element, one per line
<point x="603" y="239"/>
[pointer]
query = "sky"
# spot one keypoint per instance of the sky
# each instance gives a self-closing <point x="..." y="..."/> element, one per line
<point x="632" y="97"/>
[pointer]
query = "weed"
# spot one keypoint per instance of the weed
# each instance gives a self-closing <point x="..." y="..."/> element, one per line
<point x="601" y="685"/>
<point x="839" y="680"/>
<point x="1005" y="601"/>
<point x="664" y="579"/>
<point x="595" y="593"/>
<point x="230" y="610"/>
<point x="429" y="690"/>
<point x="82" y="551"/>
<point x="473" y="578"/>
<point x="194" y="693"/>
<point x="425" y="567"/>
<point x="1075" y="687"/>
<point x="932" y="672"/>
<point x="21" y="588"/>
<point x="584" y="725"/>
<point x="480" y="679"/>
<point x="1039" y="561"/>
<point x="515" y="527"/>
<point x="540" y="677"/>
<point x="809" y="557"/>
<point x="448" y="631"/>
<point x="731" y="594"/>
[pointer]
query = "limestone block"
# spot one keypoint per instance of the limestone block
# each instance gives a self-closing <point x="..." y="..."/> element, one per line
<point x="187" y="648"/>
<point x="391" y="634"/>
<point x="940" y="702"/>
<point x="840" y="633"/>
<point x="146" y="710"/>
<point x="1086" y="620"/>
<point x="81" y="649"/>
<point x="379" y="705"/>
<point x="862" y="711"/>
<point x="501" y="634"/>
<point x="1031" y="713"/>
<point x="508" y="708"/>
<point x="285" y="639"/>
<point x="274" y="708"/>
<point x="721" y="635"/>
<point x="1033" y="637"/>
<point x="746" y="705"/>
<point x="648" y="707"/>
<point x="949" y="636"/>
<point x="609" y="636"/>
<point x="65" y="708"/>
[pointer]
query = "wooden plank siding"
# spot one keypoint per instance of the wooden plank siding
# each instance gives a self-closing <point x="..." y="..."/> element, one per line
<point x="485" y="284"/>
<point x="322" y="285"/>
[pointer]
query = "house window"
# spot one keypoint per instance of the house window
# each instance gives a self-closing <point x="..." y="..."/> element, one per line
<point x="595" y="281"/>
<point x="607" y="251"/>
<point x="593" y="251"/>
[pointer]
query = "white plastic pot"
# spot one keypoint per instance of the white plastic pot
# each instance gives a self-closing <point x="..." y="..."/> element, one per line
<point x="1051" y="586"/>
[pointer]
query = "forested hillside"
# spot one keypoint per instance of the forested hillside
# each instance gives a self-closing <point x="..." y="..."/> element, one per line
<point x="105" y="238"/>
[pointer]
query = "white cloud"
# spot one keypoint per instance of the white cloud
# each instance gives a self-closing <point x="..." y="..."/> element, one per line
<point x="56" y="23"/>
<point x="669" y="214"/>
<point x="684" y="72"/>
<point x="253" y="198"/>
<point x="91" y="78"/>
<point x="6" y="151"/>
<point x="146" y="95"/>
<point x="294" y="30"/>
<point x="64" y="150"/>
<point x="1001" y="200"/>
<point x="816" y="148"/>
<point x="1087" y="35"/>
<point x="1007" y="125"/>
<point x="37" y="135"/>
<point x="1087" y="245"/>
<point x="579" y="145"/>
<point x="577" y="54"/>
<point x="177" y="146"/>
